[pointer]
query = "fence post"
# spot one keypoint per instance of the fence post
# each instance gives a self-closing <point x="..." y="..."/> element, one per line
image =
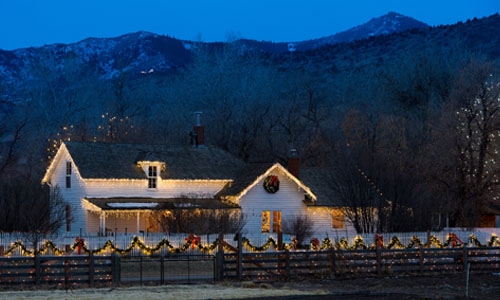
<point x="91" y="269"/>
<point x="239" y="260"/>
<point x="465" y="257"/>
<point x="421" y="259"/>
<point x="38" y="270"/>
<point x="219" y="259"/>
<point x="115" y="269"/>
<point x="280" y="241"/>
<point x="140" y="268"/>
<point x="379" y="260"/>
<point x="332" y="260"/>
<point x="287" y="264"/>
<point x="162" y="269"/>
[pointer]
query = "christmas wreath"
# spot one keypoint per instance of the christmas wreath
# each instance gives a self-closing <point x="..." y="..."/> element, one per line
<point x="271" y="184"/>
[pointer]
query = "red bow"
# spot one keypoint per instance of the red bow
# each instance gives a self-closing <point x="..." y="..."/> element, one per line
<point x="193" y="239"/>
<point x="315" y="243"/>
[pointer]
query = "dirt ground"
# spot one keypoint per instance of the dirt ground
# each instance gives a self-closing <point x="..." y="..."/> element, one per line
<point x="481" y="286"/>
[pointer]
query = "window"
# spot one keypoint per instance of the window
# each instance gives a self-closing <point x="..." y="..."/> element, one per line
<point x="277" y="221"/>
<point x="337" y="219"/>
<point x="267" y="221"/>
<point x="68" y="174"/>
<point x="152" y="177"/>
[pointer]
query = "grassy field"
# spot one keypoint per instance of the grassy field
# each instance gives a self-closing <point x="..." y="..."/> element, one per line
<point x="166" y="292"/>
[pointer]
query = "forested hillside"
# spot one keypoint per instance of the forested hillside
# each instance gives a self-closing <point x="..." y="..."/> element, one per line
<point x="414" y="113"/>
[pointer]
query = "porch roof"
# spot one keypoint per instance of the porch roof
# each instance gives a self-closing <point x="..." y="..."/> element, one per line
<point x="137" y="203"/>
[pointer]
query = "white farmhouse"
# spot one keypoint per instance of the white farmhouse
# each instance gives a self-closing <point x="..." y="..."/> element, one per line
<point x="116" y="187"/>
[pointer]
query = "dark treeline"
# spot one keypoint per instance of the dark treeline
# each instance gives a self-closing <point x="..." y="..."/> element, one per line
<point x="411" y="131"/>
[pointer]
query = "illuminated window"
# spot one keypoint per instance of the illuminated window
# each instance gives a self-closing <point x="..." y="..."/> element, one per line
<point x="337" y="219"/>
<point x="266" y="221"/>
<point x="152" y="177"/>
<point x="276" y="221"/>
<point x="68" y="174"/>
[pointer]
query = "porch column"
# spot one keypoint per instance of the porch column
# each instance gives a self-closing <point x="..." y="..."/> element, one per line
<point x="102" y="222"/>
<point x="138" y="222"/>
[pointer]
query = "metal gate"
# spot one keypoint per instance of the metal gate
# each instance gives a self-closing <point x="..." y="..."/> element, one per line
<point x="178" y="268"/>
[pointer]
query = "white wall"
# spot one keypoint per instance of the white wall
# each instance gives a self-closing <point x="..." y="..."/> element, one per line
<point x="73" y="195"/>
<point x="80" y="188"/>
<point x="288" y="199"/>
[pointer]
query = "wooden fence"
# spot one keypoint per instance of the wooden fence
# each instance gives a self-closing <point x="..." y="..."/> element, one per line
<point x="64" y="271"/>
<point x="287" y="265"/>
<point x="92" y="270"/>
<point x="160" y="269"/>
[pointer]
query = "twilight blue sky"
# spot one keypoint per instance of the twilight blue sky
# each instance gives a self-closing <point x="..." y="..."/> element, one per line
<point x="25" y="23"/>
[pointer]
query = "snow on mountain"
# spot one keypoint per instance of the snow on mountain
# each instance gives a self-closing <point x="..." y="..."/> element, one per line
<point x="386" y="24"/>
<point x="142" y="53"/>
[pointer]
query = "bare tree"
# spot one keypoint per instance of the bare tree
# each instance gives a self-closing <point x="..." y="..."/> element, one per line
<point x="188" y="217"/>
<point x="300" y="226"/>
<point x="476" y="127"/>
<point x="357" y="193"/>
<point x="28" y="208"/>
<point x="47" y="217"/>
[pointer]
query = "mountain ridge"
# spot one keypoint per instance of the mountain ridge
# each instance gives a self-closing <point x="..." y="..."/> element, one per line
<point x="408" y="23"/>
<point x="142" y="53"/>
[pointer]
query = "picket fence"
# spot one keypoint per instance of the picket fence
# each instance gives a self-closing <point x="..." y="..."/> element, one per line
<point x="123" y="241"/>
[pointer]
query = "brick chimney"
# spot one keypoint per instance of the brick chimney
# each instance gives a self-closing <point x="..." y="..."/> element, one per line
<point x="199" y="131"/>
<point x="293" y="162"/>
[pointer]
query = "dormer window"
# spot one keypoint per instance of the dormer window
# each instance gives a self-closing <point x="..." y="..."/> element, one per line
<point x="152" y="177"/>
<point x="152" y="170"/>
<point x="68" y="174"/>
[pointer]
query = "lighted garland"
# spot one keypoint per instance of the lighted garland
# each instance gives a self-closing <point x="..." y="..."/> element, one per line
<point x="343" y="244"/>
<point x="474" y="241"/>
<point x="395" y="243"/>
<point x="327" y="244"/>
<point x="195" y="243"/>
<point x="270" y="242"/>
<point x="137" y="243"/>
<point x="46" y="246"/>
<point x="415" y="241"/>
<point x="49" y="245"/>
<point x="109" y="246"/>
<point x="19" y="245"/>
<point x="494" y="241"/>
<point x="358" y="243"/>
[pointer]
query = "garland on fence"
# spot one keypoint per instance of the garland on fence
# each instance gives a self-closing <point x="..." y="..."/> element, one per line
<point x="194" y="242"/>
<point x="44" y="248"/>
<point x="451" y="241"/>
<point x="191" y="241"/>
<point x="270" y="242"/>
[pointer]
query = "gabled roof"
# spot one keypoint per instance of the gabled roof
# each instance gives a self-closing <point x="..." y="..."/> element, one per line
<point x="249" y="174"/>
<point x="120" y="161"/>
<point x="253" y="173"/>
<point x="319" y="180"/>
